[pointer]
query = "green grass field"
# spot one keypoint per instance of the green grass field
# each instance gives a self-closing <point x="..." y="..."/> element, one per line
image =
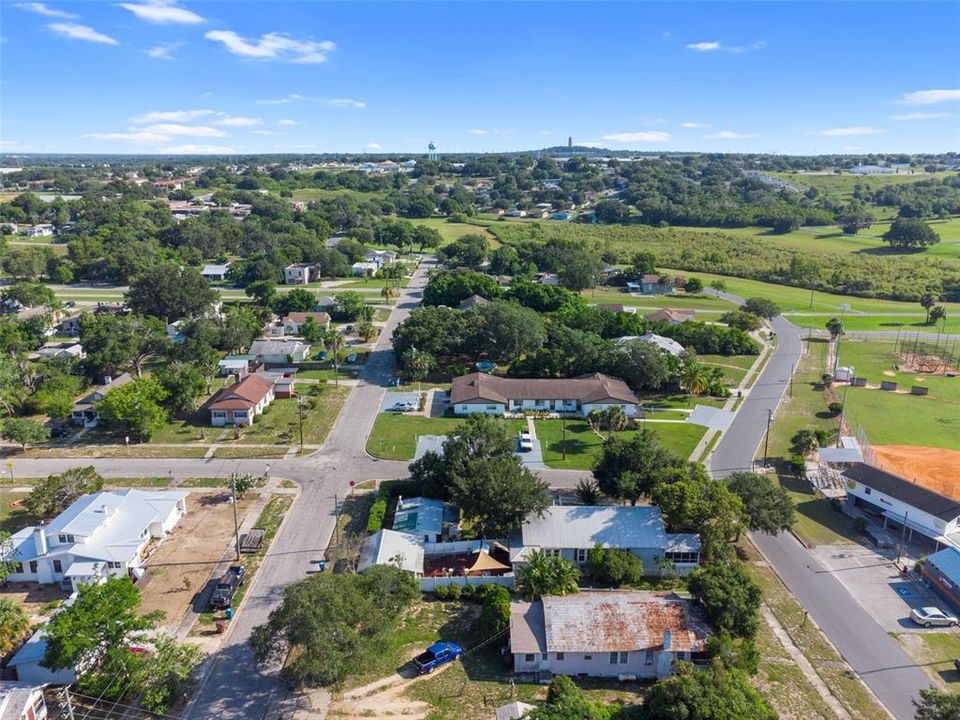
<point x="451" y="231"/>
<point x="841" y="186"/>
<point x="308" y="194"/>
<point x="394" y="435"/>
<point x="648" y="303"/>
<point x="892" y="418"/>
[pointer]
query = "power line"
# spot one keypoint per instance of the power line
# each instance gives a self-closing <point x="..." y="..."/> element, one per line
<point x="131" y="707"/>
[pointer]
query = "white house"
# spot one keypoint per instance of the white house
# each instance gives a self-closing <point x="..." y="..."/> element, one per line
<point x="215" y="272"/>
<point x="606" y="633"/>
<point x="61" y="349"/>
<point x="493" y="395"/>
<point x="281" y="351"/>
<point x="664" y="343"/>
<point x="427" y="518"/>
<point x="301" y="273"/>
<point x="39" y="231"/>
<point x="290" y="324"/>
<point x="22" y="701"/>
<point x="571" y="531"/>
<point x="240" y="403"/>
<point x="26" y="664"/>
<point x="84" y="410"/>
<point x="363" y="269"/>
<point x="872" y="170"/>
<point x="380" y="257"/>
<point x="389" y="547"/>
<point x="100" y="535"/>
<point x="900" y="502"/>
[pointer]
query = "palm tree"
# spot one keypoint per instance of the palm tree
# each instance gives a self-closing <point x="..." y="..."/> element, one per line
<point x="545" y="574"/>
<point x="588" y="492"/>
<point x="693" y="379"/>
<point x="14" y="624"/>
<point x="835" y="327"/>
<point x="615" y="419"/>
<point x="388" y="292"/>
<point x="927" y="301"/>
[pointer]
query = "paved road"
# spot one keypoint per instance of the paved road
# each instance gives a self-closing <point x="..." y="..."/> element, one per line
<point x="872" y="653"/>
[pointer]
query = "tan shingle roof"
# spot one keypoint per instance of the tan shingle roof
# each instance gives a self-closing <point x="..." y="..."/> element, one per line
<point x="597" y="387"/>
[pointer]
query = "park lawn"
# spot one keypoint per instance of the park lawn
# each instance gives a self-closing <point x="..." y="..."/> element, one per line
<point x="370" y="283"/>
<point x="609" y="296"/>
<point x="935" y="653"/>
<point x="897" y="418"/>
<point x="679" y="402"/>
<point x="394" y="435"/>
<point x="584" y="445"/>
<point x="734" y="367"/>
<point x="13" y="518"/>
<point x="450" y="231"/>
<point x="308" y="194"/>
<point x="871" y="323"/>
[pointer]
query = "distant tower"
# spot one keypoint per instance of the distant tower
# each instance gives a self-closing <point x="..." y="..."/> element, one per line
<point x="432" y="152"/>
<point x="570" y="141"/>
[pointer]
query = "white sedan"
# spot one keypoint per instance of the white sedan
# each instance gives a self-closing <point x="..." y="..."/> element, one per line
<point x="930" y="616"/>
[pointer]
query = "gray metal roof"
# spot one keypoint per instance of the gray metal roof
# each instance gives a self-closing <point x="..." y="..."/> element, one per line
<point x="586" y="526"/>
<point x="947" y="561"/>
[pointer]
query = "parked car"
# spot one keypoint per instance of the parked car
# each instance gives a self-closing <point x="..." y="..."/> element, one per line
<point x="352" y="358"/>
<point x="322" y="355"/>
<point x="526" y="441"/>
<point x="61" y="432"/>
<point x="436" y="655"/>
<point x="401" y="407"/>
<point x="70" y="303"/>
<point x="930" y="616"/>
<point x="227" y="587"/>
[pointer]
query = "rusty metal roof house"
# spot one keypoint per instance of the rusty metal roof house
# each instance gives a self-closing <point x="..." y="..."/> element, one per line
<point x="606" y="633"/>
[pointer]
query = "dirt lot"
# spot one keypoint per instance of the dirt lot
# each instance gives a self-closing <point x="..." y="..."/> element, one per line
<point x="181" y="565"/>
<point x="934" y="468"/>
<point x="34" y="597"/>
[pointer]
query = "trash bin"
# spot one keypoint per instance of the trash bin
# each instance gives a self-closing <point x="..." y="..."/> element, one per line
<point x="221" y="626"/>
<point x="229" y="613"/>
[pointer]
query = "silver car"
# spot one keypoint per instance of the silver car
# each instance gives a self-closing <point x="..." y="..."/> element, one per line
<point x="930" y="616"/>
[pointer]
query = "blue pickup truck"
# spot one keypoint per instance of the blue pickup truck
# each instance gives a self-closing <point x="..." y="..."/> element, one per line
<point x="437" y="655"/>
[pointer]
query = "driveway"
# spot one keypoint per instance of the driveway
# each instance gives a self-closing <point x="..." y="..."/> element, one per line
<point x="392" y="398"/>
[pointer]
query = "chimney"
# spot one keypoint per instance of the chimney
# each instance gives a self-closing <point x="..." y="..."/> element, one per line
<point x="40" y="539"/>
<point x="104" y="510"/>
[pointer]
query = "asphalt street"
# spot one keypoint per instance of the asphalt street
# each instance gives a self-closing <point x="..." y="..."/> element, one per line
<point x="876" y="657"/>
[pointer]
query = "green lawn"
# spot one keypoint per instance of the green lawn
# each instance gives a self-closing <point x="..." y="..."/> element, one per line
<point x="841" y="186"/>
<point x="369" y="284"/>
<point x="891" y="418"/>
<point x="607" y="296"/>
<point x="583" y="445"/>
<point x="308" y="194"/>
<point x="734" y="367"/>
<point x="12" y="518"/>
<point x="451" y="231"/>
<point x="394" y="435"/>
<point x="935" y="653"/>
<point x="280" y="424"/>
<point x="680" y="402"/>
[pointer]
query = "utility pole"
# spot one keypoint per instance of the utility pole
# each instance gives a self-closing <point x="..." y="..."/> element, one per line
<point x="336" y="525"/>
<point x="300" y="411"/>
<point x="236" y="524"/>
<point x="766" y="439"/>
<point x="793" y="372"/>
<point x="66" y="705"/>
<point x="836" y="353"/>
<point x="336" y="358"/>
<point x="563" y="420"/>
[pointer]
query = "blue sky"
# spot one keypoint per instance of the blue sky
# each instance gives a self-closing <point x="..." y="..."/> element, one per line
<point x="158" y="76"/>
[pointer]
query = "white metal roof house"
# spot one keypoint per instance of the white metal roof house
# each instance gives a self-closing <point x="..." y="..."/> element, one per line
<point x="664" y="343"/>
<point x="389" y="547"/>
<point x="99" y="535"/>
<point x="571" y="531"/>
<point x="301" y="273"/>
<point x="26" y="663"/>
<point x="363" y="269"/>
<point x="215" y="271"/>
<point x="606" y="633"/>
<point x="427" y="518"/>
<point x="21" y="701"/>
<point x="279" y="351"/>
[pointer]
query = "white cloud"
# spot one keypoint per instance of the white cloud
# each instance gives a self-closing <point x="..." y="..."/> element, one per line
<point x="347" y="103"/>
<point x="847" y="131"/>
<point x="921" y="116"/>
<point x="930" y="97"/>
<point x="163" y="51"/>
<point x="137" y="136"/>
<point x="238" y="122"/>
<point x="715" y="45"/>
<point x="373" y="146"/>
<point x="666" y="34"/>
<point x="649" y="136"/>
<point x="41" y="9"/>
<point x="172" y="116"/>
<point x="294" y="146"/>
<point x="729" y="135"/>
<point x="689" y="125"/>
<point x="81" y="32"/>
<point x="186" y="130"/>
<point x="265" y="132"/>
<point x="284" y="100"/>
<point x="704" y="46"/>
<point x="163" y="12"/>
<point x="197" y="150"/>
<point x="478" y="131"/>
<point x="14" y="145"/>
<point x="273" y="46"/>
<point x="287" y="121"/>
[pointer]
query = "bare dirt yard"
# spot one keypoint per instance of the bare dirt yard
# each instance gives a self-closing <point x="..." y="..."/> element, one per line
<point x="934" y="468"/>
<point x="38" y="600"/>
<point x="181" y="565"/>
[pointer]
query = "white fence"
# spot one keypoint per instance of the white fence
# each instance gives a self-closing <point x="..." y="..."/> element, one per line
<point x="460" y="547"/>
<point x="429" y="584"/>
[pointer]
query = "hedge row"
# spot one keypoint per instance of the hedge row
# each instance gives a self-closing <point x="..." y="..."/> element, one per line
<point x="389" y="489"/>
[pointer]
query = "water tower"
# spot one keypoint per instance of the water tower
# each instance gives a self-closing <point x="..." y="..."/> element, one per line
<point x="432" y="152"/>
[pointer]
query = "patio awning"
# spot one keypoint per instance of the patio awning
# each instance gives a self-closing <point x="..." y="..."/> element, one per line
<point x="485" y="563"/>
<point x="923" y="530"/>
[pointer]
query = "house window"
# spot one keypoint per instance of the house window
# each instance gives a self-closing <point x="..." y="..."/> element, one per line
<point x="33" y="567"/>
<point x="528" y="658"/>
<point x="551" y="552"/>
<point x="539" y="403"/>
<point x="114" y="565"/>
<point x="624" y="657"/>
<point x="588" y="657"/>
<point x="17" y="569"/>
<point x="613" y="658"/>
<point x="57" y="566"/>
<point x="64" y="539"/>
<point x="560" y="657"/>
<point x="867" y="491"/>
<point x="681" y="558"/>
<point x="581" y="555"/>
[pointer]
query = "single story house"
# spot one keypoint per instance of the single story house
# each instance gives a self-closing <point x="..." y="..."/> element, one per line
<point x="667" y="315"/>
<point x="380" y="257"/>
<point x="84" y="410"/>
<point x="473" y="301"/>
<point x="364" y="269"/>
<point x="516" y="213"/>
<point x="872" y="170"/>
<point x="238" y="365"/>
<point x="100" y="535"/>
<point x="432" y="520"/>
<point x="664" y="343"/>
<point x="279" y="351"/>
<point x="215" y="272"/>
<point x="606" y="633"/>
<point x="26" y="664"/>
<point x="39" y="231"/>
<point x="547" y="278"/>
<point x="390" y="547"/>
<point x="22" y="701"/>
<point x="292" y="322"/>
<point x="932" y="515"/>
<point x="301" y="273"/>
<point x="941" y="572"/>
<point x="240" y="403"/>
<point x="618" y="308"/>
<point x="493" y="395"/>
<point x="62" y="349"/>
<point x="572" y="531"/>
<point x="70" y="326"/>
<point x="326" y="302"/>
<point x="655" y="285"/>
